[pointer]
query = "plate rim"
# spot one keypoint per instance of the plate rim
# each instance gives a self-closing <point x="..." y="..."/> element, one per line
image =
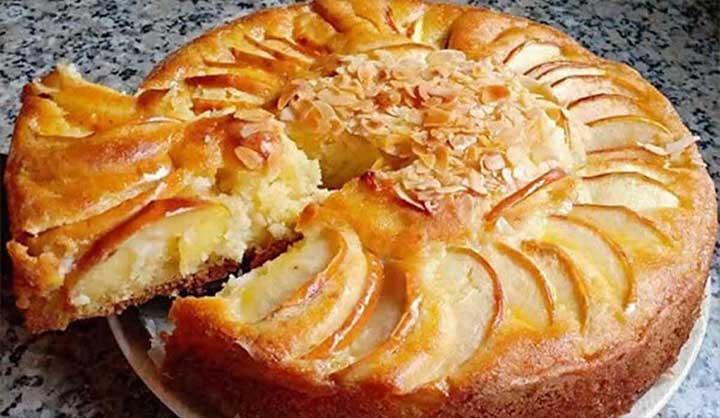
<point x="127" y="326"/>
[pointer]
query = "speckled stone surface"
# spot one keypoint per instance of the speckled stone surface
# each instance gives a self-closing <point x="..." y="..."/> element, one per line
<point x="81" y="372"/>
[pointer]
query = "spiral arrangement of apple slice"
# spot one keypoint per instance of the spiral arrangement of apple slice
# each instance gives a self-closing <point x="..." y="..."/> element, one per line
<point x="332" y="312"/>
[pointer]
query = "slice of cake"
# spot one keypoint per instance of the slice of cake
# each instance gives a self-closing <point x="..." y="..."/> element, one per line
<point x="116" y="198"/>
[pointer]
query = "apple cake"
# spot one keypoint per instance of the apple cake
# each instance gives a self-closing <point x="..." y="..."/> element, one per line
<point x="487" y="220"/>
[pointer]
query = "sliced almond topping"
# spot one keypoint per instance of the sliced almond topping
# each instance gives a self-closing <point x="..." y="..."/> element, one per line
<point x="249" y="158"/>
<point x="476" y="182"/>
<point x="490" y="94"/>
<point x="679" y="145"/>
<point x="455" y="125"/>
<point x="462" y="142"/>
<point x="253" y="115"/>
<point x="402" y="194"/>
<point x="445" y="57"/>
<point x="336" y="98"/>
<point x="367" y="72"/>
<point x="442" y="91"/>
<point x="436" y="117"/>
<point x="493" y="162"/>
<point x="249" y="129"/>
<point x="263" y="143"/>
<point x="287" y="115"/>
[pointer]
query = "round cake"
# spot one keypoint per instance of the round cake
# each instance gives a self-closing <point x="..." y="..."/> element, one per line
<point x="428" y="210"/>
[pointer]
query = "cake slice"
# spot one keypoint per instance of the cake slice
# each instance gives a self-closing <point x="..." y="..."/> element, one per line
<point x="112" y="204"/>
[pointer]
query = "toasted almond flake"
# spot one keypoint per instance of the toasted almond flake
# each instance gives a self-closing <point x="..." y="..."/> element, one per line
<point x="442" y="91"/>
<point x="445" y="57"/>
<point x="405" y="73"/>
<point x="507" y="175"/>
<point x="679" y="145"/>
<point x="388" y="99"/>
<point x="442" y="156"/>
<point x="249" y="129"/>
<point x="336" y="98"/>
<point x="287" y="115"/>
<point x="462" y="142"/>
<point x="431" y="206"/>
<point x="402" y="194"/>
<point x="253" y="115"/>
<point x="367" y="72"/>
<point x="249" y="158"/>
<point x="653" y="148"/>
<point x="493" y="162"/>
<point x="427" y="158"/>
<point x="291" y="93"/>
<point x="451" y="189"/>
<point x="476" y="182"/>
<point x="436" y="117"/>
<point x="523" y="172"/>
<point x="490" y="94"/>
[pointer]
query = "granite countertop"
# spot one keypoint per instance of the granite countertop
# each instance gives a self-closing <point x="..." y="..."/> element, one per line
<point x="81" y="372"/>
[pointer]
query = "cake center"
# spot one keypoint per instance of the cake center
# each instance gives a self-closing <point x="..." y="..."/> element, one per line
<point x="432" y="123"/>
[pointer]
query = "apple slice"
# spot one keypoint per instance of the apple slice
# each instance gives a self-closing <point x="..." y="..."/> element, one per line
<point x="544" y="67"/>
<point x="311" y="288"/>
<point x="574" y="87"/>
<point x="634" y="233"/>
<point x="224" y="97"/>
<point x="143" y="251"/>
<point x="416" y="352"/>
<point x="529" y="300"/>
<point x="156" y="211"/>
<point x="477" y="299"/>
<point x="565" y="70"/>
<point x="600" y="258"/>
<point x="359" y="317"/>
<point x="247" y="54"/>
<point x="285" y="50"/>
<point x="257" y="294"/>
<point x="633" y="190"/>
<point x="628" y="165"/>
<point x="602" y="106"/>
<point x="618" y="131"/>
<point x="632" y="152"/>
<point x="571" y="294"/>
<point x="374" y="327"/>
<point x="513" y="199"/>
<point x="201" y="237"/>
<point x="240" y="82"/>
<point x="541" y="281"/>
<point x="318" y="308"/>
<point x="529" y="54"/>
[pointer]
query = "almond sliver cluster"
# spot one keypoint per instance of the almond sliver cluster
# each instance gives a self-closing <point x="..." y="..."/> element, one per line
<point x="443" y="123"/>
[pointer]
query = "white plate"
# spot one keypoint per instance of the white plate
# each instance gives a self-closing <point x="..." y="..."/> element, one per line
<point x="133" y="340"/>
